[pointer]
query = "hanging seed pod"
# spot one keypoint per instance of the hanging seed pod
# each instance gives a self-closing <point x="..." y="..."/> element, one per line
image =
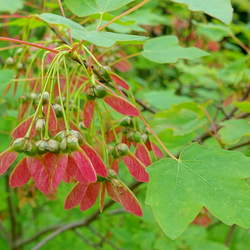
<point x="31" y="148"/>
<point x="9" y="61"/>
<point x="91" y="93"/>
<point x="134" y="136"/>
<point x="127" y="122"/>
<point x="60" y="136"/>
<point x="19" y="145"/>
<point x="100" y="91"/>
<point x="137" y="137"/>
<point x="112" y="173"/>
<point x="20" y="66"/>
<point x="33" y="97"/>
<point x="40" y="125"/>
<point x="144" y="137"/>
<point x="45" y="97"/>
<point x="114" y="152"/>
<point x="72" y="143"/>
<point x="41" y="146"/>
<point x="82" y="126"/>
<point x="63" y="146"/>
<point x="76" y="134"/>
<point x="58" y="110"/>
<point x="122" y="149"/>
<point x="53" y="146"/>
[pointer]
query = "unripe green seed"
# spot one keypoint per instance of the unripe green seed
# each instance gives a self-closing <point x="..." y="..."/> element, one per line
<point x="134" y="136"/>
<point x="20" y="66"/>
<point x="82" y="126"/>
<point x="42" y="146"/>
<point x="76" y="134"/>
<point x="53" y="146"/>
<point x="19" y="145"/>
<point x="144" y="137"/>
<point x="45" y="97"/>
<point x="72" y="143"/>
<point x="31" y="148"/>
<point x="9" y="61"/>
<point x="58" y="110"/>
<point x="60" y="136"/>
<point x="112" y="173"/>
<point x="91" y="94"/>
<point x="127" y="122"/>
<point x="63" y="145"/>
<point x="33" y="96"/>
<point x="137" y="136"/>
<point x="100" y="91"/>
<point x="40" y="125"/>
<point x="122" y="149"/>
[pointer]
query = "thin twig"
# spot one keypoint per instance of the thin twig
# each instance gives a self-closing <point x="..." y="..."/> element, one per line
<point x="229" y="235"/>
<point x="84" y="239"/>
<point x="58" y="229"/>
<point x="239" y="145"/>
<point x="103" y="239"/>
<point x="158" y="139"/>
<point x="63" y="14"/>
<point x="8" y="39"/>
<point x="210" y="132"/>
<point x="12" y="213"/>
<point x="240" y="43"/>
<point x="127" y="12"/>
<point x="125" y="58"/>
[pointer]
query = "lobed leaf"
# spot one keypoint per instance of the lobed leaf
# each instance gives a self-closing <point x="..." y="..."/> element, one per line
<point x="202" y="177"/>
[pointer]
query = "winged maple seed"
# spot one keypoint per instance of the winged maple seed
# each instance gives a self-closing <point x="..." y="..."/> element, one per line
<point x="118" y="103"/>
<point x="86" y="195"/>
<point x="60" y="141"/>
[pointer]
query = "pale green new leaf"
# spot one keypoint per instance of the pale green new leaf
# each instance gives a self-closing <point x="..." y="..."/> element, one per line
<point x="166" y="49"/>
<point x="221" y="9"/>
<point x="102" y="39"/>
<point x="10" y="6"/>
<point x="202" y="177"/>
<point x="88" y="7"/>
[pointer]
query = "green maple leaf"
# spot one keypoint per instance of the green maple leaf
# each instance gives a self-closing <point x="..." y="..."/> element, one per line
<point x="89" y="7"/>
<point x="102" y="39"/>
<point x="202" y="177"/>
<point x="221" y="9"/>
<point x="165" y="49"/>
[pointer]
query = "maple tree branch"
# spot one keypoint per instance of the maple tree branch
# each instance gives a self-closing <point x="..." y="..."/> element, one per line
<point x="240" y="43"/>
<point x="12" y="214"/>
<point x="239" y="145"/>
<point x="58" y="229"/>
<point x="8" y="39"/>
<point x="211" y="131"/>
<point x="127" y="12"/>
<point x="125" y="58"/>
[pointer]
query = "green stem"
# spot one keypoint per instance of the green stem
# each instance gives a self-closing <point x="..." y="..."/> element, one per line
<point x="93" y="57"/>
<point x="61" y="100"/>
<point x="44" y="89"/>
<point x="67" y="91"/>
